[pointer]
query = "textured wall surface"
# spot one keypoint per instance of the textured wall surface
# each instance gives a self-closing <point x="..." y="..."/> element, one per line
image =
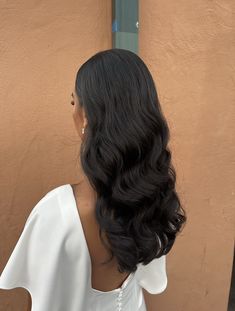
<point x="190" y="49"/>
<point x="42" y="44"/>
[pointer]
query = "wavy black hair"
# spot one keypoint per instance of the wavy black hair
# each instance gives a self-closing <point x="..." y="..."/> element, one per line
<point x="125" y="156"/>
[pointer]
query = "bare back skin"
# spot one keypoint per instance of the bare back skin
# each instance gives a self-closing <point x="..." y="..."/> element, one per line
<point x="98" y="253"/>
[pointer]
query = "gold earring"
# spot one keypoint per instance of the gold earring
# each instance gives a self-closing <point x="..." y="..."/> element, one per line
<point x="83" y="130"/>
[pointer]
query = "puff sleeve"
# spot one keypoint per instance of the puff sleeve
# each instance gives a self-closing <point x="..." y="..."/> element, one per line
<point x="47" y="256"/>
<point x="18" y="271"/>
<point x="23" y="266"/>
<point x="153" y="277"/>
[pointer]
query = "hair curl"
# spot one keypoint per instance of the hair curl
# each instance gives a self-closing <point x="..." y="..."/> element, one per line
<point x="126" y="159"/>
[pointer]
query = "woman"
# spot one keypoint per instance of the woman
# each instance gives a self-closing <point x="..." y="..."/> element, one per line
<point x="96" y="244"/>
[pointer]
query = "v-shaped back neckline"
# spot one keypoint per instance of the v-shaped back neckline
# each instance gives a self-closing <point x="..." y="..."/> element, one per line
<point x="78" y="220"/>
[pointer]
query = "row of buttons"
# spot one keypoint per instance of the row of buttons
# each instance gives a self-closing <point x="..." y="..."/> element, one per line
<point x="119" y="302"/>
<point x="119" y="298"/>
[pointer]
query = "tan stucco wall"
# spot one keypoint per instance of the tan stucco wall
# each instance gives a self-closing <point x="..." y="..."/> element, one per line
<point x="42" y="44"/>
<point x="190" y="48"/>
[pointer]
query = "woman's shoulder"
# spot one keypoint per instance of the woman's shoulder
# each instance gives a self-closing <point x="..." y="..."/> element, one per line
<point x="39" y="244"/>
<point x="48" y="204"/>
<point x="50" y="195"/>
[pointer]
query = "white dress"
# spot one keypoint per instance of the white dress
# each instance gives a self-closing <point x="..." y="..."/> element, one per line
<point x="52" y="261"/>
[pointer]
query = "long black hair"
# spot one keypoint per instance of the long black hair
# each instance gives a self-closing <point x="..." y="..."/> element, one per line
<point x="125" y="156"/>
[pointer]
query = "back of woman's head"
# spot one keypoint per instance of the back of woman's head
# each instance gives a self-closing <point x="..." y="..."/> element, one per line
<point x="125" y="156"/>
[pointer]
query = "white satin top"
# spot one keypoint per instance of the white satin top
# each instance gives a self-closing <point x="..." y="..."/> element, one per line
<point x="51" y="260"/>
